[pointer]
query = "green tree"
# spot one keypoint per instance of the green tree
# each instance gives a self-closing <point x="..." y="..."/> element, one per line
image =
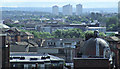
<point x="102" y="34"/>
<point x="70" y="33"/>
<point x="89" y="34"/>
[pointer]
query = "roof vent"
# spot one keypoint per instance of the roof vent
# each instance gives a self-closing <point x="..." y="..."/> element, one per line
<point x="16" y="57"/>
<point x="33" y="58"/>
<point x="11" y="58"/>
<point x="22" y="58"/>
<point x="48" y="57"/>
<point x="43" y="57"/>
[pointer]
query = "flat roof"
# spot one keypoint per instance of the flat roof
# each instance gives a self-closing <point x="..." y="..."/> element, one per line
<point x="93" y="58"/>
<point x="28" y="56"/>
<point x="96" y="27"/>
<point x="3" y="34"/>
<point x="3" y="26"/>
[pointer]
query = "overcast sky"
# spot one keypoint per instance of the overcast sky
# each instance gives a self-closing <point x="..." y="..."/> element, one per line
<point x="59" y="0"/>
<point x="50" y="3"/>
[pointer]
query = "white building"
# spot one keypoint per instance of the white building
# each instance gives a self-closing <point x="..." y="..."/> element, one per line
<point x="52" y="28"/>
<point x="35" y="61"/>
<point x="67" y="9"/>
<point x="79" y="9"/>
<point x="55" y="10"/>
<point x="100" y="29"/>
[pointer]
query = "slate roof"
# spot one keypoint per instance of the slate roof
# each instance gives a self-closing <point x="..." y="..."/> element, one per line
<point x="26" y="34"/>
<point x="14" y="29"/>
<point x="24" y="46"/>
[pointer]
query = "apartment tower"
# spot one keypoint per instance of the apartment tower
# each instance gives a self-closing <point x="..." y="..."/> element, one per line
<point x="55" y="10"/>
<point x="78" y="9"/>
<point x="67" y="9"/>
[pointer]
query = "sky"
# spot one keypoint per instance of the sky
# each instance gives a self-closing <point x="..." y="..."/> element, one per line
<point x="60" y="3"/>
<point x="59" y="0"/>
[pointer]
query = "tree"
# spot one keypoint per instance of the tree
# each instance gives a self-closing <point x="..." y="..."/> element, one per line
<point x="39" y="34"/>
<point x="112" y="23"/>
<point x="90" y="34"/>
<point x="102" y="34"/>
<point x="70" y="33"/>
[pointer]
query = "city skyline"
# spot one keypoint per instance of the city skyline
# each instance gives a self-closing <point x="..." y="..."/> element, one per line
<point x="67" y="9"/>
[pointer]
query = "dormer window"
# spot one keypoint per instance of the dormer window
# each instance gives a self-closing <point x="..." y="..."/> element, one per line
<point x="54" y="43"/>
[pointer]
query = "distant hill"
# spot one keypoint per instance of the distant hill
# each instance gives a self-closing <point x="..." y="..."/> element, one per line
<point x="49" y="9"/>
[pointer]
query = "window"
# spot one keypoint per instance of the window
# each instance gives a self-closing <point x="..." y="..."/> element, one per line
<point x="54" y="43"/>
<point x="61" y="43"/>
<point x="68" y="43"/>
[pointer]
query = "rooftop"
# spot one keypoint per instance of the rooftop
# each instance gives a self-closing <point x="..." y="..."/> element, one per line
<point x="33" y="57"/>
<point x="3" y="26"/>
